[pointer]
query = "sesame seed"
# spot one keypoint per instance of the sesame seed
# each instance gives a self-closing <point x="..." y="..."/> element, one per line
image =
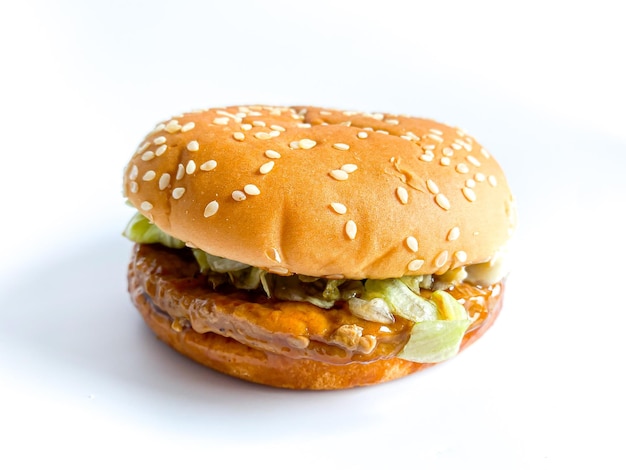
<point x="415" y="265"/>
<point x="236" y="117"/>
<point x="340" y="146"/>
<point x="246" y="127"/>
<point x="470" y="183"/>
<point x="303" y="125"/>
<point x="427" y="156"/>
<point x="211" y="208"/>
<point x="238" y="195"/>
<point x="134" y="187"/>
<point x="393" y="122"/>
<point x="262" y="135"/>
<point x="442" y="201"/>
<point x="239" y="136"/>
<point x="453" y="234"/>
<point x="339" y="208"/>
<point x="142" y="147"/>
<point x="441" y="258"/>
<point x="258" y="123"/>
<point x="180" y="172"/>
<point x="188" y="126"/>
<point x="485" y="153"/>
<point x="276" y="127"/>
<point x="149" y="175"/>
<point x="159" y="140"/>
<point x="351" y="229"/>
<point x="191" y="167"/>
<point x="382" y="131"/>
<point x="436" y="131"/>
<point x="222" y="121"/>
<point x="469" y="194"/>
<point x="462" y="168"/>
<point x="272" y="154"/>
<point x="208" y="165"/>
<point x="411" y="243"/>
<point x="325" y="113"/>
<point x="429" y="147"/>
<point x="339" y="175"/>
<point x="473" y="160"/>
<point x="492" y="180"/>
<point x="294" y="145"/>
<point x="362" y="135"/>
<point x="456" y="146"/>
<point x="147" y="156"/>
<point x="402" y="194"/>
<point x="251" y="190"/>
<point x="432" y="186"/>
<point x="177" y="193"/>
<point x="273" y="255"/>
<point x="480" y="177"/>
<point x="445" y="161"/>
<point x="307" y="143"/>
<point x="406" y="137"/>
<point x="274" y="133"/>
<point x="172" y="126"/>
<point x="146" y="206"/>
<point x="193" y="146"/>
<point x="164" y="181"/>
<point x="159" y="127"/>
<point x="465" y="145"/>
<point x="349" y="167"/>
<point x="435" y="137"/>
<point x="461" y="256"/>
<point x="134" y="172"/>
<point x="266" y="168"/>
<point x="160" y="150"/>
<point x="447" y="151"/>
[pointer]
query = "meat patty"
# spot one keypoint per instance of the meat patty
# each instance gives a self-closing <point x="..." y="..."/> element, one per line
<point x="171" y="281"/>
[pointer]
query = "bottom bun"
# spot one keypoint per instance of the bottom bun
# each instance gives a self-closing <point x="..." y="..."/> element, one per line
<point x="233" y="358"/>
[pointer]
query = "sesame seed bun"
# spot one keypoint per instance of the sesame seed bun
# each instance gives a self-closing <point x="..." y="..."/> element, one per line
<point x="322" y="192"/>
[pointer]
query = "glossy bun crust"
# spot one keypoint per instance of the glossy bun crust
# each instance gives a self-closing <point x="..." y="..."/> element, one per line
<point x="323" y="192"/>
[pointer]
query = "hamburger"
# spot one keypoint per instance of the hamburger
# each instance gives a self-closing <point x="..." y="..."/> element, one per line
<point x="313" y="248"/>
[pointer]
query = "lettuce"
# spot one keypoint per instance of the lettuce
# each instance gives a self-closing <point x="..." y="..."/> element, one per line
<point x="141" y="230"/>
<point x="438" y="340"/>
<point x="440" y="322"/>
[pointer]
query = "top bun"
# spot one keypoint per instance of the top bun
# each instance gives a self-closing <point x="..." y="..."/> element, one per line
<point x="322" y="192"/>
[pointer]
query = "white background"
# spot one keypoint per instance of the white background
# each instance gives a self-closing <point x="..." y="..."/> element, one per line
<point x="539" y="83"/>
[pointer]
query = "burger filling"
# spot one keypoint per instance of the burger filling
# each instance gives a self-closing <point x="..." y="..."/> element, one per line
<point x="439" y="320"/>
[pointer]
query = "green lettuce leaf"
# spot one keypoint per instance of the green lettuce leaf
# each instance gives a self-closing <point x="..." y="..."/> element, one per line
<point x="141" y="230"/>
<point x="438" y="340"/>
